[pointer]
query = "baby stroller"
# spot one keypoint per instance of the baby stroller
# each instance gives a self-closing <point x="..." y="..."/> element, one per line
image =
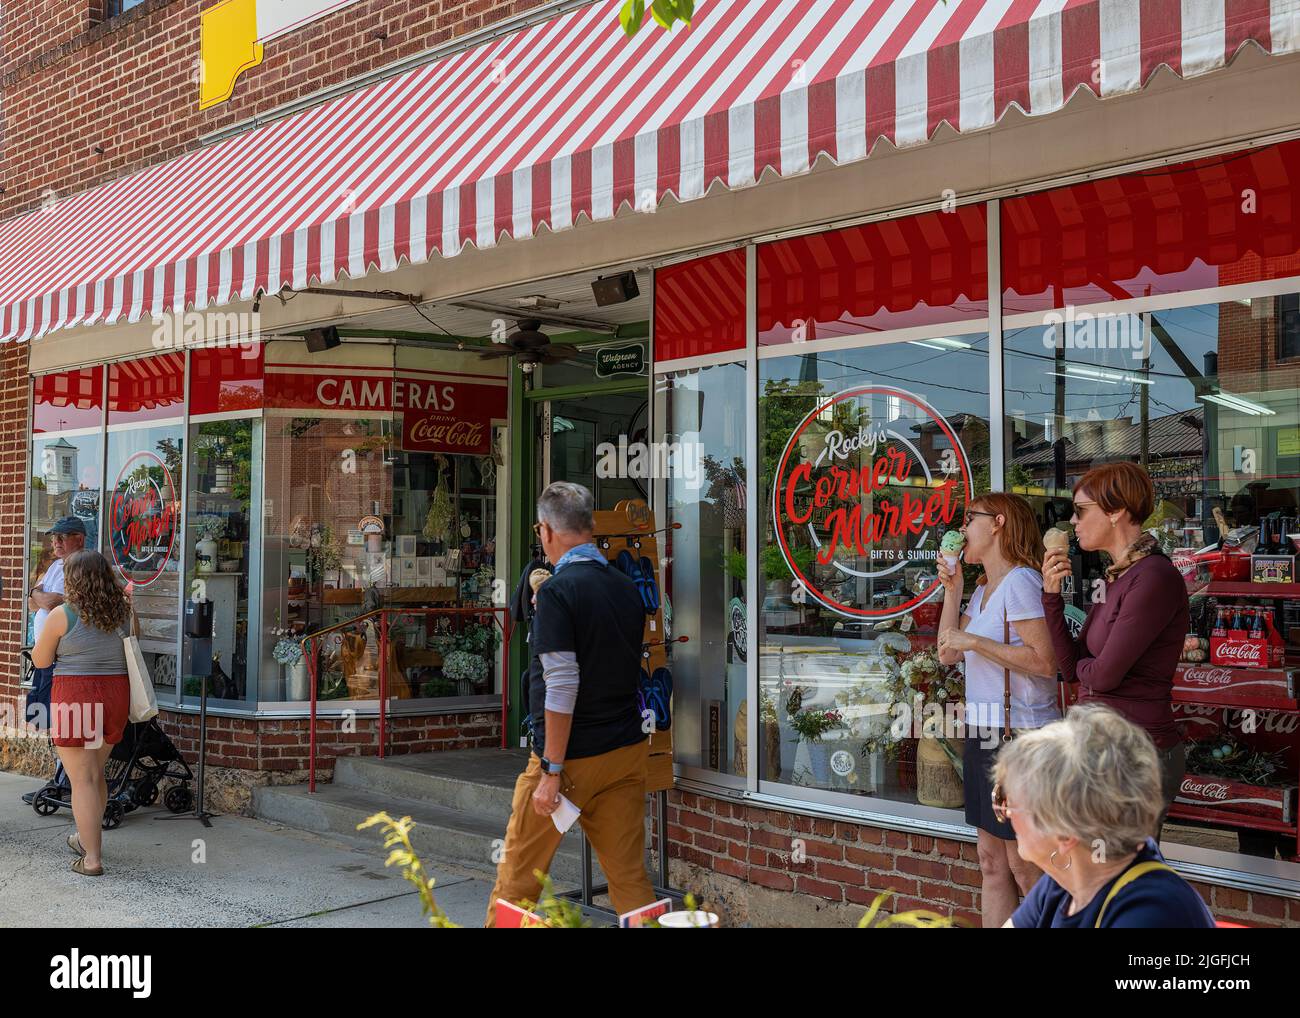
<point x="135" y="767"/>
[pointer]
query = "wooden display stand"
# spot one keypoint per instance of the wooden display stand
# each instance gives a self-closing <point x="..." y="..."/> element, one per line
<point x="630" y="527"/>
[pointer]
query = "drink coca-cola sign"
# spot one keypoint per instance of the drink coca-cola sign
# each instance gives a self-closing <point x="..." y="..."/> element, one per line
<point x="868" y="481"/>
<point x="143" y="513"/>
<point x="439" y="432"/>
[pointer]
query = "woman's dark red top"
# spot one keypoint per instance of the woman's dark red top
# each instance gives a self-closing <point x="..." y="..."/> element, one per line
<point x="1128" y="651"/>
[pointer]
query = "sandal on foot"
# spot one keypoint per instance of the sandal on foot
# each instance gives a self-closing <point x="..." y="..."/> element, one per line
<point x="79" y="866"/>
<point x="74" y="843"/>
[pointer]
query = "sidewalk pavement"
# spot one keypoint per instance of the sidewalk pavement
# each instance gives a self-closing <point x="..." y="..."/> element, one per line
<point x="255" y="873"/>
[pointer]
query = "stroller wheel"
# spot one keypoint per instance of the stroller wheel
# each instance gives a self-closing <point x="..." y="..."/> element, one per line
<point x="113" y="814"/>
<point x="146" y="794"/>
<point x="179" y="798"/>
<point x="44" y="806"/>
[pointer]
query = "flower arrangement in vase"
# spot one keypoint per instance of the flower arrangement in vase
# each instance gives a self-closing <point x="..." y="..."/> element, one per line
<point x="209" y="529"/>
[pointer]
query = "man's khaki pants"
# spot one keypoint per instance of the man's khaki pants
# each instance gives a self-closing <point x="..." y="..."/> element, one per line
<point x="610" y="791"/>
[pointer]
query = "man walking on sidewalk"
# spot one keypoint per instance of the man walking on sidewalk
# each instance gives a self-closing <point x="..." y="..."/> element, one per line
<point x="585" y="650"/>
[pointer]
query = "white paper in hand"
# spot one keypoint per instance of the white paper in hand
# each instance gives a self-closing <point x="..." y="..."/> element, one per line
<point x="565" y="814"/>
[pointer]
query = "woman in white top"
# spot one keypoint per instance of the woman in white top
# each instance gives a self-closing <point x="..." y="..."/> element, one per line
<point x="1002" y="628"/>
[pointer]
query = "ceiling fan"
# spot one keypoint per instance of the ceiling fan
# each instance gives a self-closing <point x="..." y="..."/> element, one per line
<point x="530" y="347"/>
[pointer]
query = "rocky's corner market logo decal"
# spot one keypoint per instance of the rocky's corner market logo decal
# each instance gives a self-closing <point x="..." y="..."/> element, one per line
<point x="142" y="518"/>
<point x="869" y="480"/>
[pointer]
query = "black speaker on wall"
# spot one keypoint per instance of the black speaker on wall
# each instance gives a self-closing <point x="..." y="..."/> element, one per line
<point x="320" y="340"/>
<point x="615" y="289"/>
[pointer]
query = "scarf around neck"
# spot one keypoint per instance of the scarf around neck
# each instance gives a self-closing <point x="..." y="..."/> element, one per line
<point x="1145" y="545"/>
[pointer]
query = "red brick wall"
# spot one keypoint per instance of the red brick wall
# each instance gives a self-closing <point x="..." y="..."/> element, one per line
<point x="850" y="864"/>
<point x="268" y="744"/>
<point x="128" y="84"/>
<point x="13" y="459"/>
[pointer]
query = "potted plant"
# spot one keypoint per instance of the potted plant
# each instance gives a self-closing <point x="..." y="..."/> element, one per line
<point x="288" y="654"/>
<point x="209" y="530"/>
<point x="811" y="724"/>
<point x="919" y="690"/>
<point x="465" y="654"/>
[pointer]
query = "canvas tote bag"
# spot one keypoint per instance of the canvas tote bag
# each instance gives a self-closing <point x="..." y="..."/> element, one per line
<point x="144" y="705"/>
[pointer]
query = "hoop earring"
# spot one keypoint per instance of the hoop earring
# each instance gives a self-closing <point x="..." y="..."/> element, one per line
<point x="1052" y="859"/>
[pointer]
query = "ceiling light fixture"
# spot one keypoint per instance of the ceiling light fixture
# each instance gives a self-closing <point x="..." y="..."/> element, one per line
<point x="1239" y="404"/>
<point x="941" y="343"/>
<point x="1113" y="377"/>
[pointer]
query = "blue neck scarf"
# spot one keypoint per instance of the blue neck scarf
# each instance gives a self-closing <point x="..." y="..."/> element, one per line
<point x="581" y="553"/>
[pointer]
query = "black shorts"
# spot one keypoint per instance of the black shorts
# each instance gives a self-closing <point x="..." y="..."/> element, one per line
<point x="977" y="779"/>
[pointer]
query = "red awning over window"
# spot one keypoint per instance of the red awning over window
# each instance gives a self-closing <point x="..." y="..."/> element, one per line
<point x="700" y="306"/>
<point x="1211" y="222"/>
<point x="146" y="389"/>
<point x="68" y="399"/>
<point x="918" y="270"/>
<point x="568" y="118"/>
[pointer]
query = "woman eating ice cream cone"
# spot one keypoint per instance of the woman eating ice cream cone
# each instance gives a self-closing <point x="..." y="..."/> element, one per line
<point x="1010" y="672"/>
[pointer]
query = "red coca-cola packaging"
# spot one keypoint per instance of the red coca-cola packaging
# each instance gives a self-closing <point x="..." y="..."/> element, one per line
<point x="1251" y="641"/>
<point x="1227" y="796"/>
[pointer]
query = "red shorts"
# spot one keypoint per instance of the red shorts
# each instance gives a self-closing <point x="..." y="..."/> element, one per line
<point x="89" y="709"/>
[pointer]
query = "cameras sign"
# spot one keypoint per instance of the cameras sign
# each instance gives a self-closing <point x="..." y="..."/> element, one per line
<point x="142" y="518"/>
<point x="868" y="481"/>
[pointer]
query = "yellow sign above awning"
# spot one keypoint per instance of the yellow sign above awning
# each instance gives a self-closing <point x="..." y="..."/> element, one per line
<point x="232" y="34"/>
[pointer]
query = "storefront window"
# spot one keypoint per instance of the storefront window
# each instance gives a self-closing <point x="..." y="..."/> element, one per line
<point x="1211" y="222"/>
<point x="385" y="488"/>
<point x="1206" y="401"/>
<point x="225" y="468"/>
<point x="703" y="413"/>
<point x="67" y="464"/>
<point x="143" y="478"/>
<point x="927" y="269"/>
<point x="868" y="457"/>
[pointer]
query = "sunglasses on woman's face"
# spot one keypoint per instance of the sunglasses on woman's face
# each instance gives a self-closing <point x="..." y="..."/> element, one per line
<point x="970" y="515"/>
<point x="1001" y="811"/>
<point x="1081" y="507"/>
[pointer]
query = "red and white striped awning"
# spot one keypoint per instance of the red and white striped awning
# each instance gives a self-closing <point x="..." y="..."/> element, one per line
<point x="568" y="118"/>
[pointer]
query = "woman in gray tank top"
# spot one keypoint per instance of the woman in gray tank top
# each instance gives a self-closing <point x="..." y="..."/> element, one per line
<point x="91" y="696"/>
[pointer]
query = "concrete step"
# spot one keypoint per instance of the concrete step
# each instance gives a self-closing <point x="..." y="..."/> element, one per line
<point x="480" y="781"/>
<point x="441" y="834"/>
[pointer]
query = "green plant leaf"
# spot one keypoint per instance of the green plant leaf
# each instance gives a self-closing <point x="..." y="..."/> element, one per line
<point x="664" y="12"/>
<point x="631" y="16"/>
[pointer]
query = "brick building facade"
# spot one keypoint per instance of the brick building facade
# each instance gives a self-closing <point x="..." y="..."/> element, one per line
<point x="86" y="98"/>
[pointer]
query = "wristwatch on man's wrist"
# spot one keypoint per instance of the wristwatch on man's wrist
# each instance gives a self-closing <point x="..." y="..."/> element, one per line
<point x="551" y="768"/>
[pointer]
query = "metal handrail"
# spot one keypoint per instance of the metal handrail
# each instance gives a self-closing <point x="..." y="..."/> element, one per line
<point x="311" y="645"/>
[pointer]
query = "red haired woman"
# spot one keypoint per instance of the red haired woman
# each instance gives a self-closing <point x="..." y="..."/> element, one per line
<point x="1128" y="650"/>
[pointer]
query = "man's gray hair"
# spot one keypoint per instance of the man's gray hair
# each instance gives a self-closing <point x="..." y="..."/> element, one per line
<point x="567" y="507"/>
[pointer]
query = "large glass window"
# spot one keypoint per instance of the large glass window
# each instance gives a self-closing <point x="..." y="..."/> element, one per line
<point x="224" y="476"/>
<point x="1203" y="400"/>
<point x="67" y="462"/>
<point x="868" y="457"/>
<point x="143" y="523"/>
<point x="703" y="414"/>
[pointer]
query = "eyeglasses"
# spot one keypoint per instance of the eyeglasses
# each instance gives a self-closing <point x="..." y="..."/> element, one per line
<point x="1080" y="507"/>
<point x="1001" y="811"/>
<point x="537" y="530"/>
<point x="966" y="520"/>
